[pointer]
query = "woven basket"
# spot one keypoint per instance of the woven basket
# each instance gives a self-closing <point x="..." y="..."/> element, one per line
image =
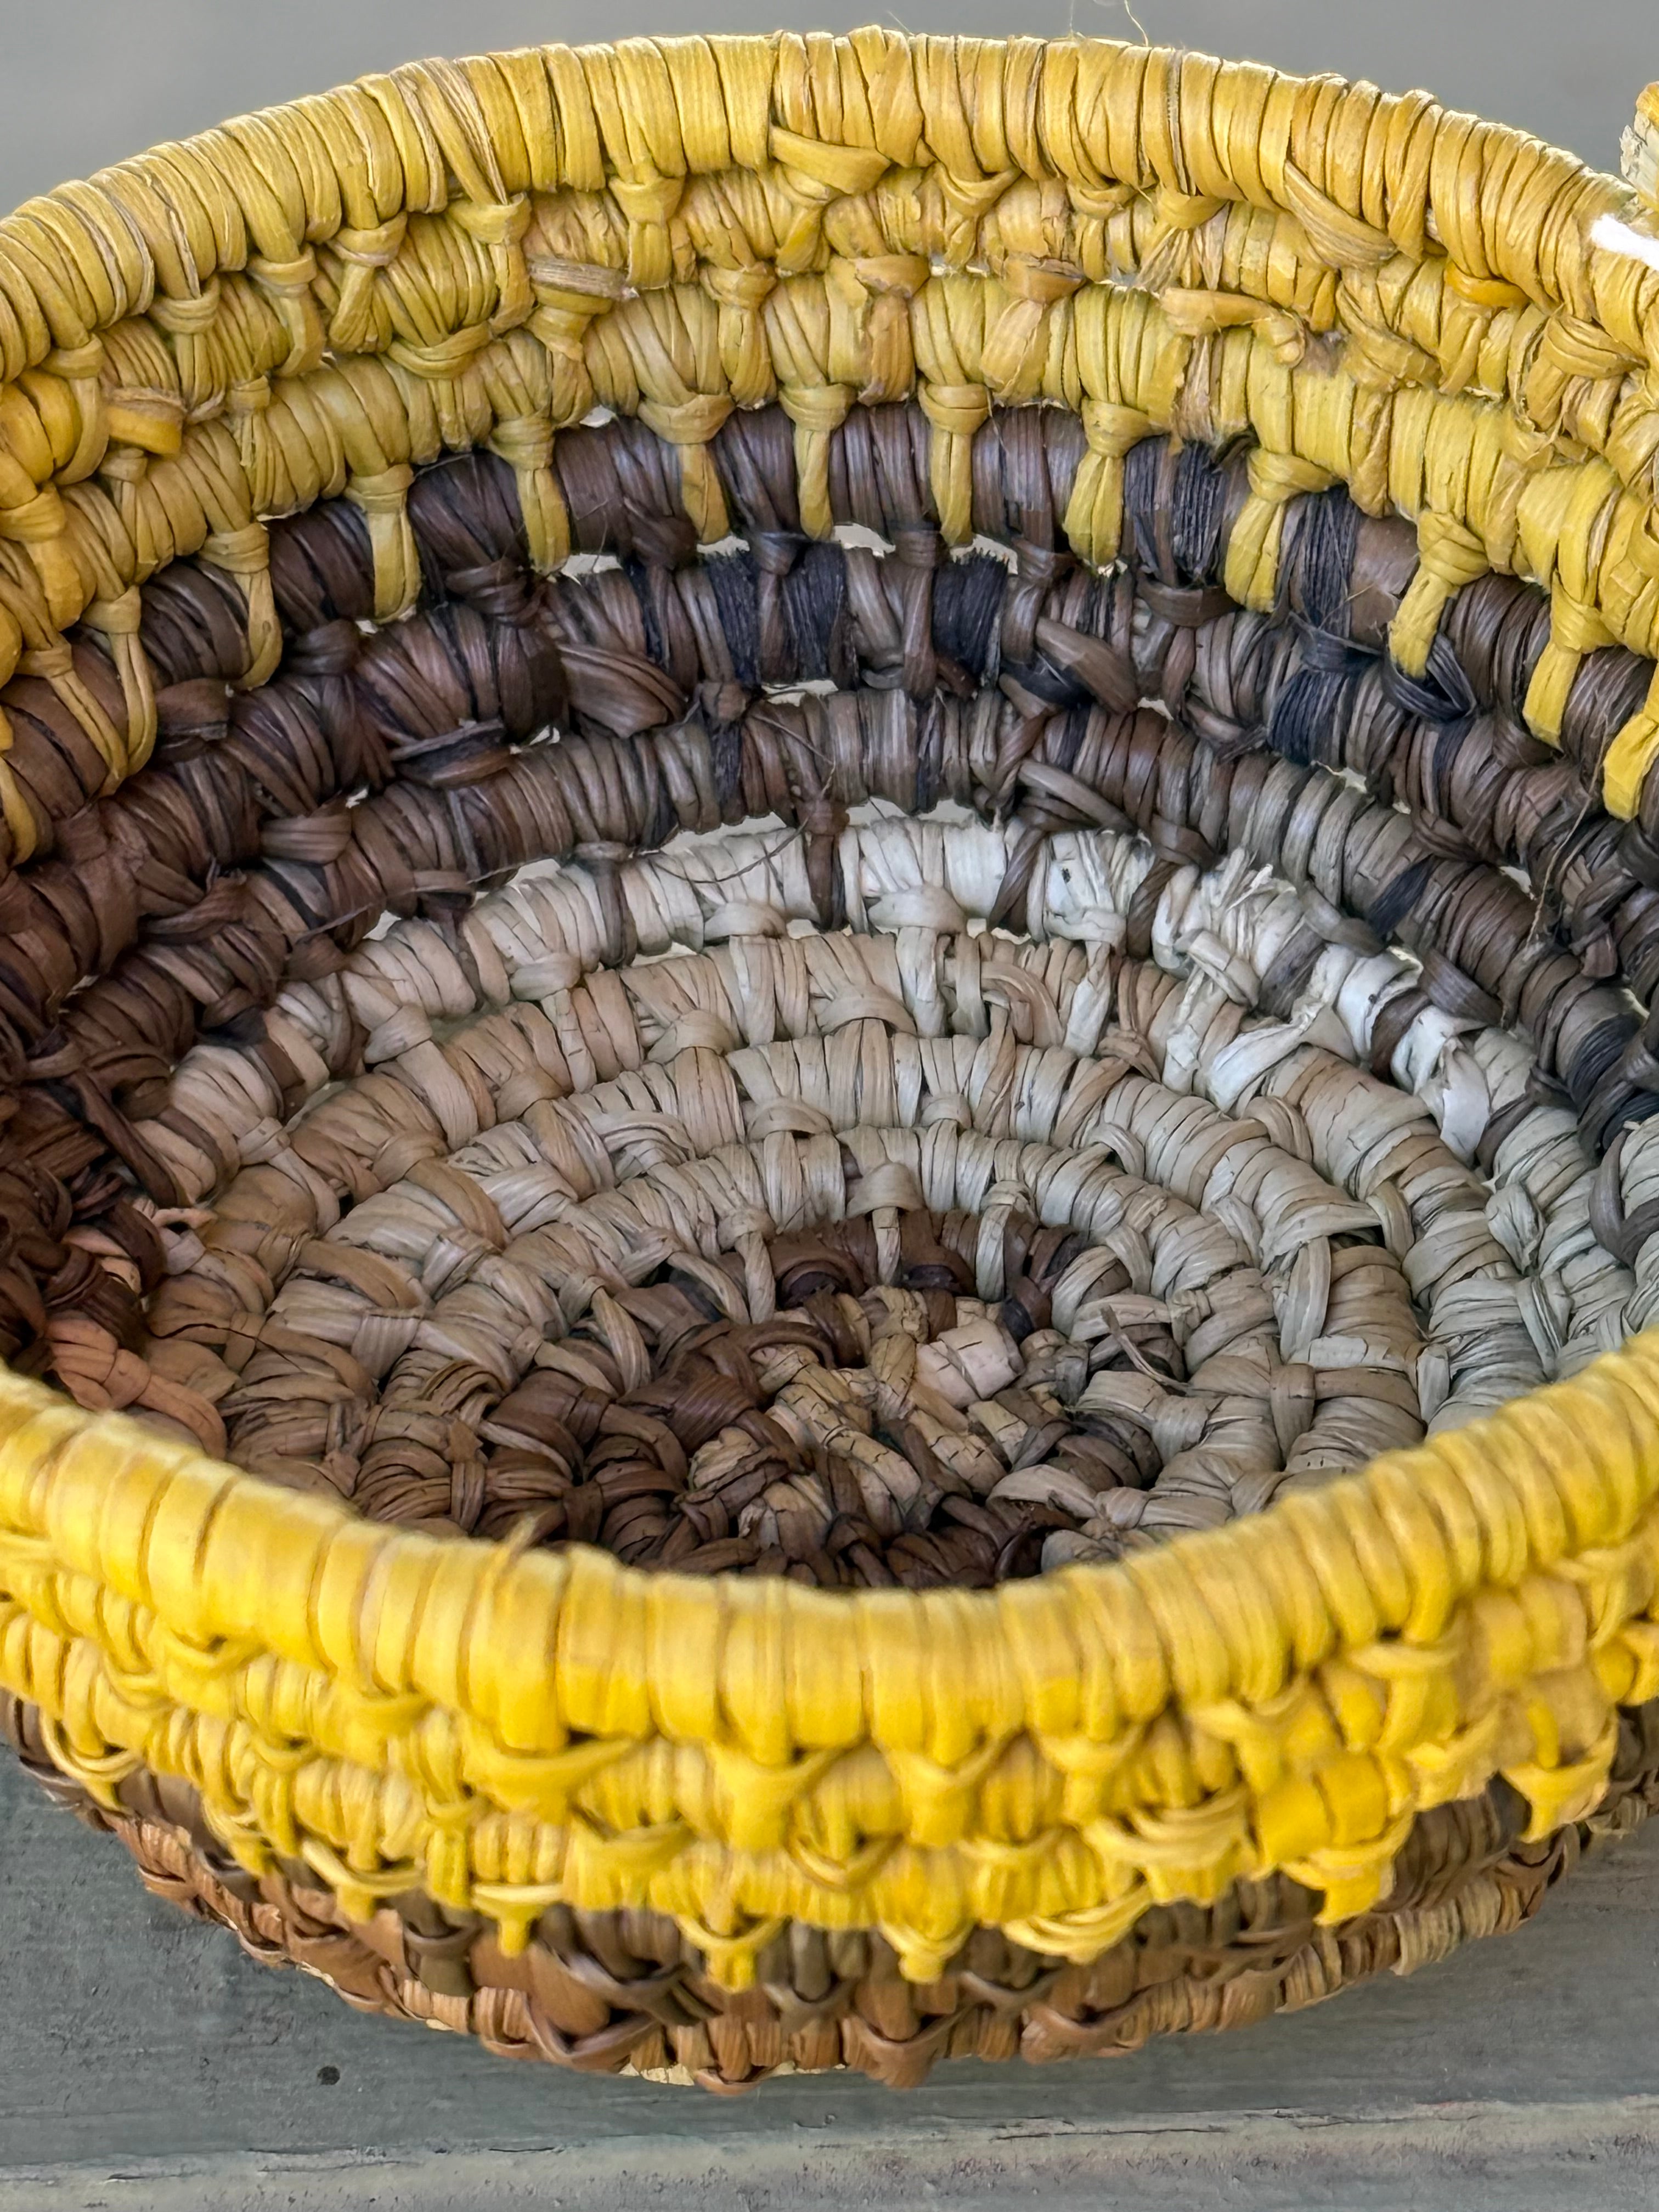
<point x="922" y="880"/>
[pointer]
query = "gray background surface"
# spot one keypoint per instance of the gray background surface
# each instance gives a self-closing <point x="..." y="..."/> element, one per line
<point x="84" y="81"/>
<point x="145" y="2062"/>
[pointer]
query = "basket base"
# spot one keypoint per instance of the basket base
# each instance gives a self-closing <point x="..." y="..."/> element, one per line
<point x="1464" y="1873"/>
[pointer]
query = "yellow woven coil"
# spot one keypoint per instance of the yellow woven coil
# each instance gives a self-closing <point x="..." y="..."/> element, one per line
<point x="1051" y="1757"/>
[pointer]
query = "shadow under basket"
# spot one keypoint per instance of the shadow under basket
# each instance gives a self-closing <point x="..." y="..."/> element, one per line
<point x="827" y="1176"/>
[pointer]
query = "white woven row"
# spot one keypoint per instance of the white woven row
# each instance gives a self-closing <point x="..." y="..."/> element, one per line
<point x="696" y="1105"/>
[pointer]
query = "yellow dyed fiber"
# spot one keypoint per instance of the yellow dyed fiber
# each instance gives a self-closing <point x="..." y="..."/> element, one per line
<point x="1056" y="1755"/>
<point x="488" y="249"/>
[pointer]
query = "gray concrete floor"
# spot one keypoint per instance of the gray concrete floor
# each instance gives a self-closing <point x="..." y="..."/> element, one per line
<point x="145" y="2062"/>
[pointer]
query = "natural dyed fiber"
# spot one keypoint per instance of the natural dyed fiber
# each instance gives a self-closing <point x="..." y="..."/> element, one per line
<point x="829" y="934"/>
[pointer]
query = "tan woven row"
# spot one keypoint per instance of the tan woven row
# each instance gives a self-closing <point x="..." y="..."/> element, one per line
<point x="539" y="1208"/>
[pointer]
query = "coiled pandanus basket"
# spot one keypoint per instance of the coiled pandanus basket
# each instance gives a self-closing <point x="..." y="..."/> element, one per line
<point x="821" y="857"/>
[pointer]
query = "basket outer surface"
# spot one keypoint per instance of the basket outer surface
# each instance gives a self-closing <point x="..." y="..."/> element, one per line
<point x="343" y="1715"/>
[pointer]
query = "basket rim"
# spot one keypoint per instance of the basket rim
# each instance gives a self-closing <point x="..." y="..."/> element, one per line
<point x="169" y="1610"/>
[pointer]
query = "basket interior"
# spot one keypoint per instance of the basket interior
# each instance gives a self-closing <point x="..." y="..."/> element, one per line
<point x="840" y="1056"/>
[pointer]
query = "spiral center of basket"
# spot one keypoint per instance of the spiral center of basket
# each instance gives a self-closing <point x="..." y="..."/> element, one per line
<point x="950" y="1273"/>
<point x="868" y="1432"/>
